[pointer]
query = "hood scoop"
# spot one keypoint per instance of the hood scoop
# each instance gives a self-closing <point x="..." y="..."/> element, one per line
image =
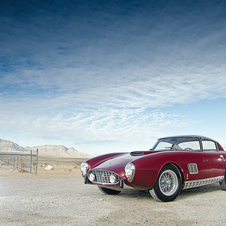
<point x="135" y="153"/>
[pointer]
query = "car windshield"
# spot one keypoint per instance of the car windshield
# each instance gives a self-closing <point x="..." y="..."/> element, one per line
<point x="177" y="143"/>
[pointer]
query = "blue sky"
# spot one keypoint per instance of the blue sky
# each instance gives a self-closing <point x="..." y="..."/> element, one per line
<point x="106" y="76"/>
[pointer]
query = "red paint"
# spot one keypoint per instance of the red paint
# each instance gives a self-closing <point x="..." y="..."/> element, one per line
<point x="148" y="164"/>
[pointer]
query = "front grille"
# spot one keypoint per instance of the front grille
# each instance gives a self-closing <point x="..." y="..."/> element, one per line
<point x="103" y="176"/>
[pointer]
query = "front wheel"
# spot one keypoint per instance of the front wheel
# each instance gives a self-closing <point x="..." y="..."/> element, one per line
<point x="168" y="184"/>
<point x="108" y="191"/>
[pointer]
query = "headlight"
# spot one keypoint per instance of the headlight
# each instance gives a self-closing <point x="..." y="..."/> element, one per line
<point x="84" y="167"/>
<point x="130" y="171"/>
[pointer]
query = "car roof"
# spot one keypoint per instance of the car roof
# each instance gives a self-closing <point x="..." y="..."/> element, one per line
<point x="188" y="136"/>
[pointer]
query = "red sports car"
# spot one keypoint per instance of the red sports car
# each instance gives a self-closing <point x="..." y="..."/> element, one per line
<point x="173" y="164"/>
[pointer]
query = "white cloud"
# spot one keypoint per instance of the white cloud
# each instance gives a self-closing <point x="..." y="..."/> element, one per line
<point x="45" y="120"/>
<point x="150" y="86"/>
<point x="75" y="73"/>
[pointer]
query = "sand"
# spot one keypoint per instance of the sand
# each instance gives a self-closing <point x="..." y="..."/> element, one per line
<point x="59" y="197"/>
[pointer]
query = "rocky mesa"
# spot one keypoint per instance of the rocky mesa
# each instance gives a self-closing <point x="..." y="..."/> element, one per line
<point x="56" y="150"/>
<point x="9" y="146"/>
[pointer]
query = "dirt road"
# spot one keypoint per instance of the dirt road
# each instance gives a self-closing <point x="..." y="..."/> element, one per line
<point x="59" y="197"/>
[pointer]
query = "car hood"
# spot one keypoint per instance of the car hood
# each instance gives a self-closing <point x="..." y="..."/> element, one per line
<point x="118" y="163"/>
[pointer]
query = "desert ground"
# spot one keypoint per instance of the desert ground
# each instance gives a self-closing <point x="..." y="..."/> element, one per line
<point x="59" y="197"/>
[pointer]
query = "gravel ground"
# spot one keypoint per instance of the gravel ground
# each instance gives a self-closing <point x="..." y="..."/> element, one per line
<point x="59" y="197"/>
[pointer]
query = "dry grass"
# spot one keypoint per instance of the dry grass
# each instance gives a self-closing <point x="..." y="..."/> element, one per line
<point x="63" y="167"/>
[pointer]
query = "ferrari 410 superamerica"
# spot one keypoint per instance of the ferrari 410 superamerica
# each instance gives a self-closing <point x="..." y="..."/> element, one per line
<point x="173" y="164"/>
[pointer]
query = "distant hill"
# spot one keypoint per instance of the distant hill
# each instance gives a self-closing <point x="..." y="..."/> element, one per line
<point x="9" y="146"/>
<point x="57" y="150"/>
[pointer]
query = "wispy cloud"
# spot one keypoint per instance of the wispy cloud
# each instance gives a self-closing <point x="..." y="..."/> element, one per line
<point x="100" y="125"/>
<point x="97" y="72"/>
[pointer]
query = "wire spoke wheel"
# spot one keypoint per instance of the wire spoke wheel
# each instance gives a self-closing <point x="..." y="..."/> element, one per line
<point x="168" y="182"/>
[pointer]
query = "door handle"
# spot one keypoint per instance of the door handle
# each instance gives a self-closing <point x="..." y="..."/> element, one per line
<point x="221" y="156"/>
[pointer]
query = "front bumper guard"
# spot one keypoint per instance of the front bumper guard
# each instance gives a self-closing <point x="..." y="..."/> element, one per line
<point x="122" y="182"/>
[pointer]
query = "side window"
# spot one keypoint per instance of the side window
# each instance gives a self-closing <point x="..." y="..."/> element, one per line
<point x="193" y="145"/>
<point x="209" y="145"/>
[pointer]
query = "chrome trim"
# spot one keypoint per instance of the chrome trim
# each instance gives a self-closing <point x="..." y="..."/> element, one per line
<point x="132" y="173"/>
<point x="198" y="183"/>
<point x="193" y="168"/>
<point x="103" y="177"/>
<point x="168" y="182"/>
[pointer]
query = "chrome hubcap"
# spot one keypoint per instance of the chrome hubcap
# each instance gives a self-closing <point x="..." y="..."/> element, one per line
<point x="168" y="182"/>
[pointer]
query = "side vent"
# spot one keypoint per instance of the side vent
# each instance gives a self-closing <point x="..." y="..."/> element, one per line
<point x="193" y="168"/>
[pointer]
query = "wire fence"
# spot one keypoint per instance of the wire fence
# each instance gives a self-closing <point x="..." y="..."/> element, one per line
<point x="21" y="161"/>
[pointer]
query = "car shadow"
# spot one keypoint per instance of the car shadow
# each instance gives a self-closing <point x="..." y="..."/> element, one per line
<point x="183" y="195"/>
<point x="135" y="194"/>
<point x="200" y="190"/>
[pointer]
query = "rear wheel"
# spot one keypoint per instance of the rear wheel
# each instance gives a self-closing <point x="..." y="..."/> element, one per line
<point x="168" y="184"/>
<point x="108" y="191"/>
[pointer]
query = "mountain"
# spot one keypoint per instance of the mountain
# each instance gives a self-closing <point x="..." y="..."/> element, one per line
<point x="9" y="146"/>
<point x="58" y="150"/>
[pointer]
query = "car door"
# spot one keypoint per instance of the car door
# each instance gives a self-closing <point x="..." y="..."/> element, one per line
<point x="213" y="159"/>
